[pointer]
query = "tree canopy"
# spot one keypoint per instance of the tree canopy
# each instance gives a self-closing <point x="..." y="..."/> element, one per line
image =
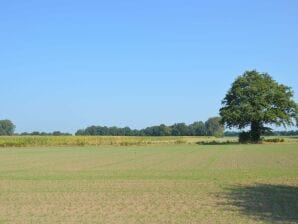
<point x="256" y="100"/>
<point x="214" y="127"/>
<point x="6" y="127"/>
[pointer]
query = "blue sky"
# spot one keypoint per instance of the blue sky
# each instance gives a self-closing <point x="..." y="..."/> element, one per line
<point x="65" y="65"/>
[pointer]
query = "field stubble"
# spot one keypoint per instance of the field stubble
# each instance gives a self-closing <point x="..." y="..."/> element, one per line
<point x="150" y="184"/>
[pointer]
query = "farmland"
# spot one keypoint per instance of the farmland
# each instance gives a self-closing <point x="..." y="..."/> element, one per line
<point x="23" y="141"/>
<point x="45" y="141"/>
<point x="151" y="183"/>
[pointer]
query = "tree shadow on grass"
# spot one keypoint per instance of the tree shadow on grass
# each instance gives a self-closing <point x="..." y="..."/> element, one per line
<point x="217" y="143"/>
<point x="272" y="203"/>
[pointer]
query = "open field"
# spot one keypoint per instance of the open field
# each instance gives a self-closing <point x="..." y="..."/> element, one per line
<point x="186" y="183"/>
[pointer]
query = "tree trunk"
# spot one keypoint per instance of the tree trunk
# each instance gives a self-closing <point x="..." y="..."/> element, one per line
<point x="255" y="131"/>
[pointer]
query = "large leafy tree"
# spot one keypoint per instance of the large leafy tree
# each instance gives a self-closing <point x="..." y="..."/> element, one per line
<point x="256" y="100"/>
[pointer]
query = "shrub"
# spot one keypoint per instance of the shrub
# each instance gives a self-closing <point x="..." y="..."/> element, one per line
<point x="274" y="140"/>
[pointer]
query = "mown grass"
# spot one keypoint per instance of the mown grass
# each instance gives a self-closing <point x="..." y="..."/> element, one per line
<point x="185" y="183"/>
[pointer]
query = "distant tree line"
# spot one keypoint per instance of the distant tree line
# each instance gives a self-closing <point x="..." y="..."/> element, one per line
<point x="285" y="133"/>
<point x="54" y="133"/>
<point x="212" y="127"/>
<point x="269" y="133"/>
<point x="231" y="133"/>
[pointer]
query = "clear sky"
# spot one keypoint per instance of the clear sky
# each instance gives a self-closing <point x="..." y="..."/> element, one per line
<point x="67" y="64"/>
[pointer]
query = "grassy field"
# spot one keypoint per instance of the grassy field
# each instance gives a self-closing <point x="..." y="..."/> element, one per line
<point x="183" y="183"/>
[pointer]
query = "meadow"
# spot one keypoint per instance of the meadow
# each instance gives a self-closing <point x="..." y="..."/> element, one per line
<point x="153" y="183"/>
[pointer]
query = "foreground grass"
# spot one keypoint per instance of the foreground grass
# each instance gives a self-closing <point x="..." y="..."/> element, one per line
<point x="150" y="184"/>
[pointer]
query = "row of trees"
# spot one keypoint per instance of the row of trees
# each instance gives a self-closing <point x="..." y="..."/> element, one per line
<point x="7" y="128"/>
<point x="272" y="133"/>
<point x="54" y="133"/>
<point x="286" y="133"/>
<point x="212" y="127"/>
